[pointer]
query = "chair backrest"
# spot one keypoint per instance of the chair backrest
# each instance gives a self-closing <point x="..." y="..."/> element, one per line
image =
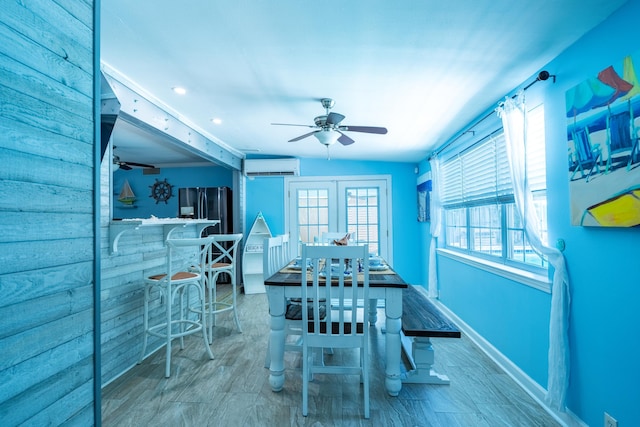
<point x="619" y="129"/>
<point x="224" y="250"/>
<point x="285" y="253"/>
<point x="346" y="322"/>
<point x="271" y="253"/>
<point x="186" y="253"/>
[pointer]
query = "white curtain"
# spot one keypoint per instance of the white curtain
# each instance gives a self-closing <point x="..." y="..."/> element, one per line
<point x="513" y="114"/>
<point x="436" y="225"/>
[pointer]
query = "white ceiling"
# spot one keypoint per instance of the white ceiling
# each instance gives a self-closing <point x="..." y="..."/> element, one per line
<point x="421" y="68"/>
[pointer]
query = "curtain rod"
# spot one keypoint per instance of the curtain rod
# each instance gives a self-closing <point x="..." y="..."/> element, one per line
<point x="542" y="76"/>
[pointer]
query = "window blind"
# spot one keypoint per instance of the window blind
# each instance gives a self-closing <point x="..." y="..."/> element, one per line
<point x="481" y="174"/>
<point x="478" y="175"/>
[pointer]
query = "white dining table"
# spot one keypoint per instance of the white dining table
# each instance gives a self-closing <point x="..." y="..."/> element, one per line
<point x="385" y="285"/>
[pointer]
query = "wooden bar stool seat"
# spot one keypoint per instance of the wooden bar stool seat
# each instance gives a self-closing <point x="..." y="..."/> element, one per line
<point x="176" y="284"/>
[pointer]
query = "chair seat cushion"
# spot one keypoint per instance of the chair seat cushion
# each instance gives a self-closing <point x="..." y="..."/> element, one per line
<point x="178" y="276"/>
<point x="294" y="311"/>
<point x="220" y="265"/>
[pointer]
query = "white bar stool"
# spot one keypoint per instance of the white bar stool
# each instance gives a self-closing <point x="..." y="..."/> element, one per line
<point x="178" y="279"/>
<point x="222" y="259"/>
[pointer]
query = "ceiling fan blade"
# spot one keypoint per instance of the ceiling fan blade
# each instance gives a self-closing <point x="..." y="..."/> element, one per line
<point x="365" y="129"/>
<point x="289" y="124"/>
<point x="334" y="118"/>
<point x="303" y="136"/>
<point x="344" y="139"/>
<point x="140" y="165"/>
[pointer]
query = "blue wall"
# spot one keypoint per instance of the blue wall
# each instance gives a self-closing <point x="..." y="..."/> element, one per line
<point x="602" y="263"/>
<point x="266" y="195"/>
<point x="145" y="205"/>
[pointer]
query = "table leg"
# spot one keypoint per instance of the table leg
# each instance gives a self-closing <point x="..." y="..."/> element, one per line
<point x="393" y="312"/>
<point x="373" y="311"/>
<point x="277" y="305"/>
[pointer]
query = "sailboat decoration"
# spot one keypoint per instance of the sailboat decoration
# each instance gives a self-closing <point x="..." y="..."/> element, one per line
<point x="126" y="194"/>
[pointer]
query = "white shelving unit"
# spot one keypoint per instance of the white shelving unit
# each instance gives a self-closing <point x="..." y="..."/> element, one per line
<point x="252" y="277"/>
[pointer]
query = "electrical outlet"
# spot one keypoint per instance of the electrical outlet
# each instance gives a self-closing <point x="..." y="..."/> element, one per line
<point x="609" y="421"/>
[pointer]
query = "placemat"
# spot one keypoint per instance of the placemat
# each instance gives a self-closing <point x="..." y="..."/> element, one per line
<point x="290" y="270"/>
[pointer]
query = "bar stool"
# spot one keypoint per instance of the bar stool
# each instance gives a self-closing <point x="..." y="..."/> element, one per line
<point x="174" y="284"/>
<point x="222" y="259"/>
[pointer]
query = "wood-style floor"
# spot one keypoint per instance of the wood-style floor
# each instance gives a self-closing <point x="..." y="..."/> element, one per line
<point x="233" y="389"/>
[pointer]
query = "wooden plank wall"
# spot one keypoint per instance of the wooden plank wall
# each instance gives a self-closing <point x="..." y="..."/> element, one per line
<point x="46" y="213"/>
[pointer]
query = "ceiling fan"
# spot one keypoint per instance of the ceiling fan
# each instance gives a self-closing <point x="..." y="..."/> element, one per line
<point x="328" y="129"/>
<point x="127" y="166"/>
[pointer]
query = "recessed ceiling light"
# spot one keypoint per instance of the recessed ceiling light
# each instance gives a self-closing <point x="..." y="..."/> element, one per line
<point x="216" y="120"/>
<point x="179" y="90"/>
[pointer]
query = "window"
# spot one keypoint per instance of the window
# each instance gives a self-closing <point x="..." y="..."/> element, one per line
<point x="480" y="216"/>
<point x="313" y="213"/>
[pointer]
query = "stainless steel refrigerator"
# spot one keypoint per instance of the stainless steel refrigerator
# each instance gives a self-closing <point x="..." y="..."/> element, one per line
<point x="207" y="203"/>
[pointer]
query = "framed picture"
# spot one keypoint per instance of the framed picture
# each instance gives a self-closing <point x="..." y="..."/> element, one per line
<point x="604" y="159"/>
<point x="424" y="198"/>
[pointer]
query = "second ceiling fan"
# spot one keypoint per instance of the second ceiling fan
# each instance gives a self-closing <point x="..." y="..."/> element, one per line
<point x="127" y="166"/>
<point x="328" y="128"/>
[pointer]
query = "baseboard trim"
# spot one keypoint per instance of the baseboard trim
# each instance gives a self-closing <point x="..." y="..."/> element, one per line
<point x="568" y="419"/>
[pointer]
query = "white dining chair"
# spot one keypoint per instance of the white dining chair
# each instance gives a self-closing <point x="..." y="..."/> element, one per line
<point x="275" y="251"/>
<point x="174" y="285"/>
<point x="272" y="256"/>
<point x="346" y="322"/>
<point x="223" y="259"/>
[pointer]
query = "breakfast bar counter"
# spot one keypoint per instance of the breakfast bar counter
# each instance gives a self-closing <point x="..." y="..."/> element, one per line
<point x="169" y="225"/>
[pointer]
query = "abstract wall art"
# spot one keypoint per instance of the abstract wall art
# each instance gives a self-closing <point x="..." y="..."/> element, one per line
<point x="603" y="129"/>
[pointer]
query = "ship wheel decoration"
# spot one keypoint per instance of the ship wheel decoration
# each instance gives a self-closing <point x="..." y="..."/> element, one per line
<point x="161" y="191"/>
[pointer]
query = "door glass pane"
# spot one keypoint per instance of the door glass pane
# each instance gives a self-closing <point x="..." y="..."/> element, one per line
<point x="313" y="213"/>
<point x="363" y="216"/>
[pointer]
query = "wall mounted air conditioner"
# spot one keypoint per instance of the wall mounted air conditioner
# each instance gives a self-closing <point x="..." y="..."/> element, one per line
<point x="272" y="167"/>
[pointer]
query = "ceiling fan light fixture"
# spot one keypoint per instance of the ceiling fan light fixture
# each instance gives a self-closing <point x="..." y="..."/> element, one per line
<point x="329" y="127"/>
<point x="327" y="136"/>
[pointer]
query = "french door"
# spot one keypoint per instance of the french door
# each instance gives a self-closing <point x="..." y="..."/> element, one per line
<point x="359" y="206"/>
